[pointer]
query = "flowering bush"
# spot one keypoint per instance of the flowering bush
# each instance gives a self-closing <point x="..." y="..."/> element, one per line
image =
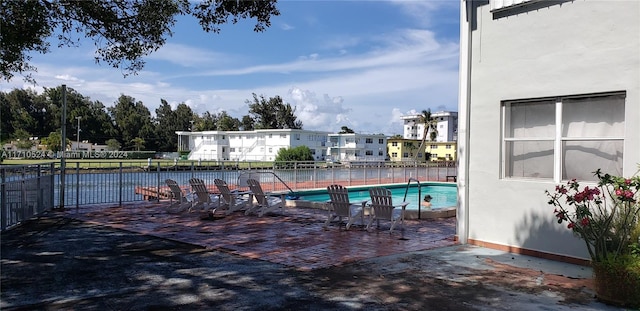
<point x="604" y="216"/>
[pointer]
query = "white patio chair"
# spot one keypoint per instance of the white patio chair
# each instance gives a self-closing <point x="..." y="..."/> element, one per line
<point x="203" y="199"/>
<point x="382" y="208"/>
<point x="179" y="200"/>
<point x="340" y="206"/>
<point x="265" y="202"/>
<point x="232" y="200"/>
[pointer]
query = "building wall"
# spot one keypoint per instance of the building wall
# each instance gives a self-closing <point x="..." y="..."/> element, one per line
<point x="447" y="124"/>
<point x="538" y="50"/>
<point x="258" y="145"/>
<point x="356" y="147"/>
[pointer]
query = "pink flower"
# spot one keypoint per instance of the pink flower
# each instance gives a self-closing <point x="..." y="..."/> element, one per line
<point x="570" y="225"/>
<point x="584" y="222"/>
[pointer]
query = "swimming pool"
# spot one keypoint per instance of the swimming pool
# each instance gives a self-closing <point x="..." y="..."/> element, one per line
<point x="443" y="195"/>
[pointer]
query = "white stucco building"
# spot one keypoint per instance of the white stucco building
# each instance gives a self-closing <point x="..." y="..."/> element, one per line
<point x="447" y="126"/>
<point x="549" y="91"/>
<point x="357" y="147"/>
<point x="257" y="145"/>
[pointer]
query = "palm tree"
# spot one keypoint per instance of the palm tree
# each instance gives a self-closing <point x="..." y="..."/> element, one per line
<point x="430" y="126"/>
<point x="138" y="143"/>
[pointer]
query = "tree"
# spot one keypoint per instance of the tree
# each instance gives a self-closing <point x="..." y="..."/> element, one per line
<point x="113" y="144"/>
<point x="138" y="143"/>
<point x="272" y="113"/>
<point x="247" y="123"/>
<point x="227" y="123"/>
<point x="23" y="139"/>
<point x="54" y="141"/>
<point x="123" y="31"/>
<point x="300" y="153"/>
<point x="345" y="130"/>
<point x="132" y="119"/>
<point x="430" y="126"/>
<point x="206" y="122"/>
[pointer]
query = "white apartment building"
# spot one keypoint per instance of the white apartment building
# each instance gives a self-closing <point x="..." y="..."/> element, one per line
<point x="446" y="127"/>
<point x="357" y="147"/>
<point x="257" y="145"/>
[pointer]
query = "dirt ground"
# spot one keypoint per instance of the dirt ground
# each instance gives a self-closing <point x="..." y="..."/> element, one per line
<point x="57" y="263"/>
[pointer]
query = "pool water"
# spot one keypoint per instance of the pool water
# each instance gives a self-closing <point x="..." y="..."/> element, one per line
<point x="442" y="195"/>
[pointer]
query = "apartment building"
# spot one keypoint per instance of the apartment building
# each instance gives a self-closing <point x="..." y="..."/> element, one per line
<point x="257" y="145"/>
<point x="356" y="147"/>
<point x="447" y="126"/>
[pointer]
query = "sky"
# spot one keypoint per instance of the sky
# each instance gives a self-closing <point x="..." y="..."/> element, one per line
<point x="360" y="64"/>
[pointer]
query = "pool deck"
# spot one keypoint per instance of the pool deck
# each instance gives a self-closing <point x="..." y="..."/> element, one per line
<point x="294" y="237"/>
<point x="139" y="257"/>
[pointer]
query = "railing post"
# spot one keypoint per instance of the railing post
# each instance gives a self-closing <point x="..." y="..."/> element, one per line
<point x="120" y="187"/>
<point x="3" y="200"/>
<point x="23" y="194"/>
<point x="77" y="186"/>
<point x="295" y="172"/>
<point x="52" y="184"/>
<point x="38" y="190"/>
<point x="158" y="180"/>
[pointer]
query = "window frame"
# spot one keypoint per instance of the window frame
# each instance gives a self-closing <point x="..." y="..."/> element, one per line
<point x="558" y="140"/>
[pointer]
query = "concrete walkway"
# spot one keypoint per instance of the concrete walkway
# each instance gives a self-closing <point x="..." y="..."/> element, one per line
<point x="138" y="257"/>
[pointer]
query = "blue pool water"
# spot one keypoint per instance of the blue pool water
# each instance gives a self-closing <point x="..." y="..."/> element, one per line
<point x="442" y="195"/>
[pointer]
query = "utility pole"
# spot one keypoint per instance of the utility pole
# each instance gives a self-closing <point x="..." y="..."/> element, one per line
<point x="78" y="134"/>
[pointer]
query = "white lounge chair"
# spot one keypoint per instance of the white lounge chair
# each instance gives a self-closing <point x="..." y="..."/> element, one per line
<point x="179" y="200"/>
<point x="265" y="202"/>
<point x="203" y="199"/>
<point x="340" y="206"/>
<point x="232" y="200"/>
<point x="382" y="208"/>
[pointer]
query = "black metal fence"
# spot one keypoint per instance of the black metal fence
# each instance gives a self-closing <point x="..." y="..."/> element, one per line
<point x="25" y="191"/>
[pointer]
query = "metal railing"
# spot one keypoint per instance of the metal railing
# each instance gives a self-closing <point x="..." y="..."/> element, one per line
<point x="29" y="190"/>
<point x="25" y="191"/>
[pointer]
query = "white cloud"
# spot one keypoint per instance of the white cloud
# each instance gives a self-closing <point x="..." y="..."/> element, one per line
<point x="189" y="56"/>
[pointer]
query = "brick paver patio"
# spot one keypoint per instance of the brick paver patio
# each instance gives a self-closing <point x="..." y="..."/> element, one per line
<point x="296" y="237"/>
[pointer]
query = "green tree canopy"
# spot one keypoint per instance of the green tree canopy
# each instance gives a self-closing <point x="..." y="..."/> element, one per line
<point x="132" y="120"/>
<point x="272" y="113"/>
<point x="300" y="153"/>
<point x="123" y="31"/>
<point x="113" y="144"/>
<point x="345" y="130"/>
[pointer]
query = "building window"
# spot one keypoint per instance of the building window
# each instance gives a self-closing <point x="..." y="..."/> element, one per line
<point x="369" y="141"/>
<point x="434" y="146"/>
<point x="380" y="141"/>
<point x="380" y="153"/>
<point x="394" y="144"/>
<point x="297" y="136"/>
<point x="270" y="150"/>
<point x="405" y="155"/>
<point x="394" y="154"/>
<point x="368" y="152"/>
<point x="563" y="138"/>
<point x="448" y="146"/>
<point x="232" y="149"/>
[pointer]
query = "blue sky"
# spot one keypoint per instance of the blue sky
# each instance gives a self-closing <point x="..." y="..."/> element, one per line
<point x="361" y="64"/>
